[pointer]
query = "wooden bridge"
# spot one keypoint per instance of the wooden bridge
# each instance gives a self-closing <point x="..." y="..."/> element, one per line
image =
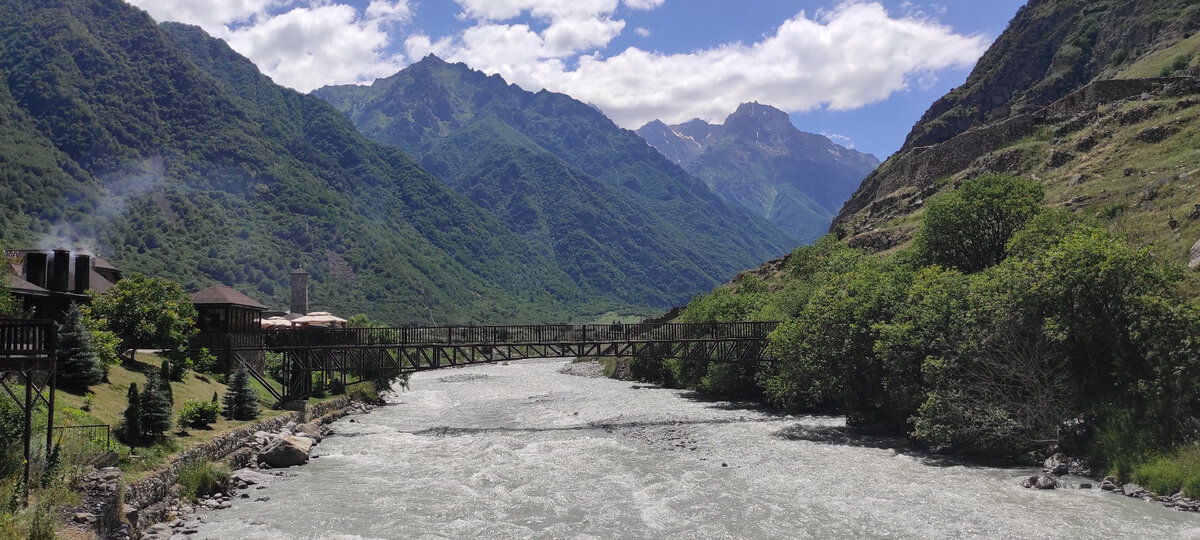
<point x="315" y="357"/>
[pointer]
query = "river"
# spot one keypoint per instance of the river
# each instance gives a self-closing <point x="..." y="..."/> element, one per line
<point x="520" y="451"/>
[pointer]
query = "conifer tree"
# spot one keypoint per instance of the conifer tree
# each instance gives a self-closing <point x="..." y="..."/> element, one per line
<point x="156" y="407"/>
<point x="75" y="356"/>
<point x="241" y="402"/>
<point x="164" y="375"/>
<point x="133" y="416"/>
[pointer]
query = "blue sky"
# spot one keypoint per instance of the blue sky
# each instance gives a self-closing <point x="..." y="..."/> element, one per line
<point x="859" y="71"/>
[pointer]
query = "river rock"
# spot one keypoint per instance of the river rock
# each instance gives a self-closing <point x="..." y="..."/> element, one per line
<point x="249" y="477"/>
<point x="1059" y="463"/>
<point x="311" y="430"/>
<point x="288" y="450"/>
<point x="1040" y="481"/>
<point x="1079" y="467"/>
<point x="1133" y="490"/>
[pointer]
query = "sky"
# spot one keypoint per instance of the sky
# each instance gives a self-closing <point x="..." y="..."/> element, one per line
<point x="860" y="72"/>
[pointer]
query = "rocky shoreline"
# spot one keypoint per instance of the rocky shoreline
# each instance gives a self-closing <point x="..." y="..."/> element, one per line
<point x="1059" y="465"/>
<point x="152" y="507"/>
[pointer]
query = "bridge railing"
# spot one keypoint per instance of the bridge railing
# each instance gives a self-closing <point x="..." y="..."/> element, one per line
<point x="26" y="343"/>
<point x="481" y="335"/>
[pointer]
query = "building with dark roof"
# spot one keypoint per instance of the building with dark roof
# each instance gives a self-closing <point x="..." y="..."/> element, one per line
<point x="48" y="282"/>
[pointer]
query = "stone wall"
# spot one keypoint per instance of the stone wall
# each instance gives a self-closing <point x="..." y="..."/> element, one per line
<point x="157" y="486"/>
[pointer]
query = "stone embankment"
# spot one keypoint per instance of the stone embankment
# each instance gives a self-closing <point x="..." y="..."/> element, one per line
<point x="151" y="507"/>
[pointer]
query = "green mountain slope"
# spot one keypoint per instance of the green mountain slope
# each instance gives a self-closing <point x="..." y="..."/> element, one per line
<point x="759" y="160"/>
<point x="612" y="212"/>
<point x="113" y="138"/>
<point x="1096" y="100"/>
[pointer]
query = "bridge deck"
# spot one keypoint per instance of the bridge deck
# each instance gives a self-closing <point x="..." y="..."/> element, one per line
<point x="314" y="357"/>
<point x="521" y="335"/>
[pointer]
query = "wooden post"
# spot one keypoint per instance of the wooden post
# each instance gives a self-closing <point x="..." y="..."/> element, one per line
<point x="28" y="432"/>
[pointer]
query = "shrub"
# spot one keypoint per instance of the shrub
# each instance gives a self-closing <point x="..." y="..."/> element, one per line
<point x="337" y="387"/>
<point x="198" y="414"/>
<point x="366" y="392"/>
<point x="201" y="478"/>
<point x="969" y="228"/>
<point x="205" y="361"/>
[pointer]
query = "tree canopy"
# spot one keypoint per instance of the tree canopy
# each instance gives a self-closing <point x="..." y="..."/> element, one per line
<point x="146" y="312"/>
<point x="969" y="228"/>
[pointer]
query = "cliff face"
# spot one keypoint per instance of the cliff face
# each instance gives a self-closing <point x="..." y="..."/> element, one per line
<point x="1062" y="69"/>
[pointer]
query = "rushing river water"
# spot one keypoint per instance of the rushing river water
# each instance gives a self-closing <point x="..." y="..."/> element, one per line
<point x="520" y="450"/>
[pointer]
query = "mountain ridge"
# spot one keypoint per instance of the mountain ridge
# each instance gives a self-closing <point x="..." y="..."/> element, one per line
<point x="655" y="233"/>
<point x="759" y="160"/>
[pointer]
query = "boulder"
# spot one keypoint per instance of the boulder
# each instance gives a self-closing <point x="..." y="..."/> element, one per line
<point x="1194" y="255"/>
<point x="84" y="518"/>
<point x="311" y="430"/>
<point x="130" y="512"/>
<point x="1046" y="482"/>
<point x="249" y="477"/>
<point x="1058" y="463"/>
<point x="288" y="450"/>
<point x="1133" y="490"/>
<point x="1079" y="467"/>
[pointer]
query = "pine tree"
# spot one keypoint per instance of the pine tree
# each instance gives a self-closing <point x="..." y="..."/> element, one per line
<point x="164" y="375"/>
<point x="133" y="416"/>
<point x="75" y="356"/>
<point x="156" y="407"/>
<point x="241" y="402"/>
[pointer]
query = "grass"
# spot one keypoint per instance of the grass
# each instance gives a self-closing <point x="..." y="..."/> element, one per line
<point x="1151" y="65"/>
<point x="1169" y="474"/>
<point x="200" y="478"/>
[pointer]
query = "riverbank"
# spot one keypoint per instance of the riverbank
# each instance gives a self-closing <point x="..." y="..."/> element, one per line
<point x="522" y="450"/>
<point x="148" y="506"/>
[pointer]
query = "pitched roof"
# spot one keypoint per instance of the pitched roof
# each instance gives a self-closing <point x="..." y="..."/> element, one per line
<point x="220" y="295"/>
<point x="20" y="285"/>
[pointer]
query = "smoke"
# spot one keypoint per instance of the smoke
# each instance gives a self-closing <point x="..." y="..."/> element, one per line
<point x="116" y="191"/>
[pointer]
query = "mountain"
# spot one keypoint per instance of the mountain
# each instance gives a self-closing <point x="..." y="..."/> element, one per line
<point x="759" y="160"/>
<point x="169" y="154"/>
<point x="611" y="212"/>
<point x="1095" y="99"/>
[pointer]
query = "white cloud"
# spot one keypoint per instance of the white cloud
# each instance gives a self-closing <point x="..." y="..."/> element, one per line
<point x="839" y="139"/>
<point x="500" y="10"/>
<point x="300" y="46"/>
<point x="850" y="55"/>
<point x="843" y="58"/>
<point x="643" y="4"/>
<point x="642" y="31"/>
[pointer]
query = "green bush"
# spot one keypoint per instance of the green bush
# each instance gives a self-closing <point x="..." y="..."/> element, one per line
<point x="366" y="392"/>
<point x="969" y="228"/>
<point x="198" y="414"/>
<point x="337" y="387"/>
<point x="201" y="478"/>
<point x="1171" y="473"/>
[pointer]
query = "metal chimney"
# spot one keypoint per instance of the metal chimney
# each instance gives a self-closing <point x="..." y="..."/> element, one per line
<point x="60" y="279"/>
<point x="299" y="292"/>
<point x="83" y="273"/>
<point x="35" y="268"/>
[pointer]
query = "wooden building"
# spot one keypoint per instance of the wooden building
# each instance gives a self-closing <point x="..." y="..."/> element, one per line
<point x="224" y="309"/>
<point x="47" y="283"/>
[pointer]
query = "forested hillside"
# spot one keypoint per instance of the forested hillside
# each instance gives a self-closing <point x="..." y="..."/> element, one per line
<point x="113" y="139"/>
<point x="609" y="210"/>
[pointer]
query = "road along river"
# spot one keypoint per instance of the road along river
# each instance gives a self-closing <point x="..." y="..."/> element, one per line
<point x="520" y="450"/>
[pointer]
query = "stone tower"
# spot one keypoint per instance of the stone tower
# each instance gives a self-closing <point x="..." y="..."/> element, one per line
<point x="299" y="292"/>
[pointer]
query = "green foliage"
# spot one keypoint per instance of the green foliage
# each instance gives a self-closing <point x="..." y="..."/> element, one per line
<point x="274" y="365"/>
<point x="164" y="375"/>
<point x="12" y="423"/>
<point x="155" y="407"/>
<point x="198" y="414"/>
<point x="367" y="392"/>
<point x="205" y="361"/>
<point x="969" y="228"/>
<point x="241" y="401"/>
<point x="201" y="478"/>
<point x="1171" y="473"/>
<point x="146" y="312"/>
<point x="1118" y="56"/>
<point x="76" y="358"/>
<point x="131" y="428"/>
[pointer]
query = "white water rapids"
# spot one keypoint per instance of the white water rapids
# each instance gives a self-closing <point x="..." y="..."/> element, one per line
<point x="521" y="451"/>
